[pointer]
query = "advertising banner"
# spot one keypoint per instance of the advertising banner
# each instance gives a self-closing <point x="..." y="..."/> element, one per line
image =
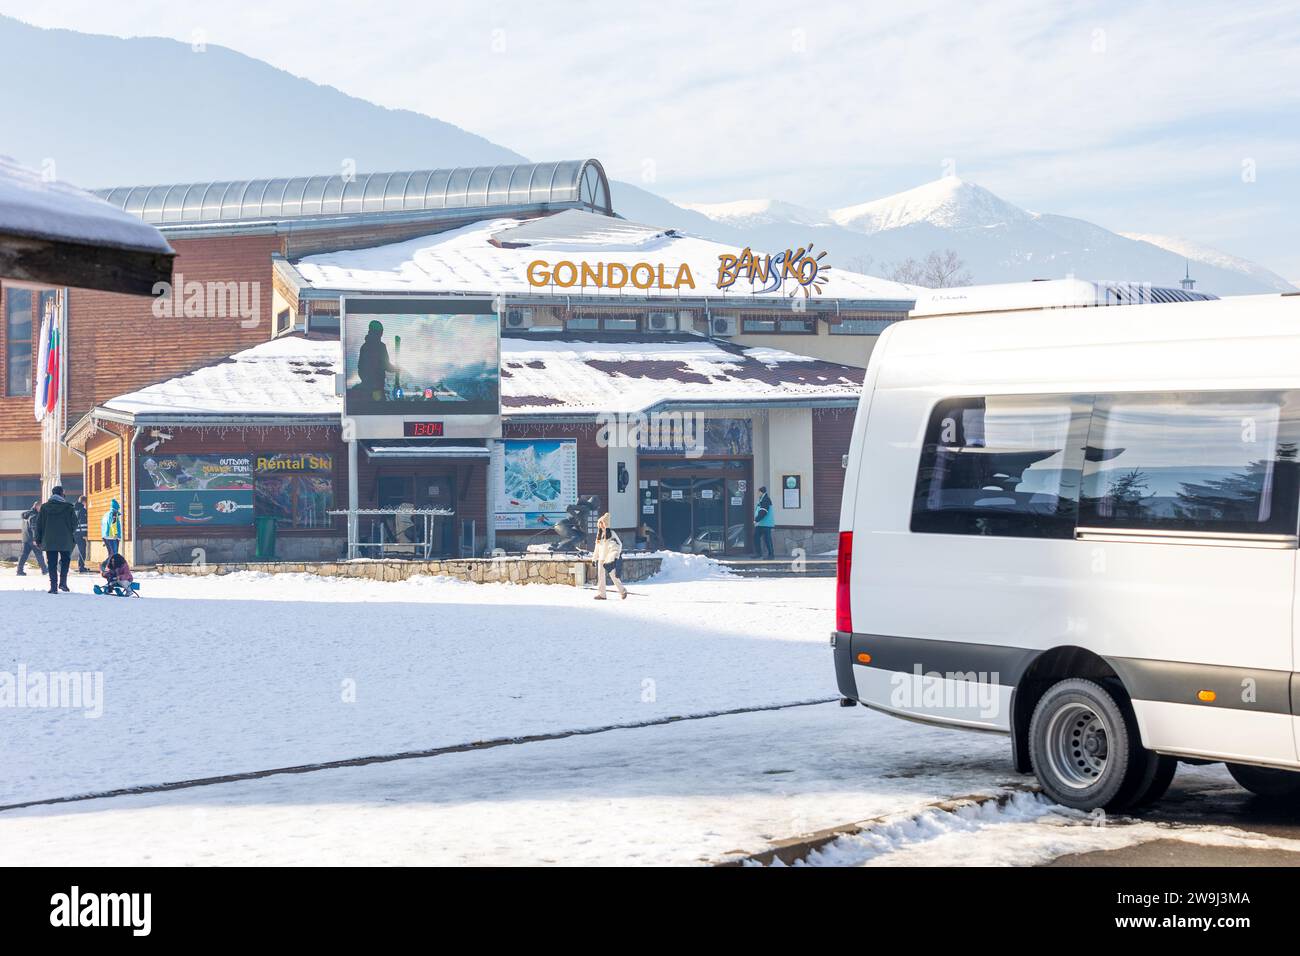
<point x="536" y="480"/>
<point x="433" y="361"/>
<point x="199" y="490"/>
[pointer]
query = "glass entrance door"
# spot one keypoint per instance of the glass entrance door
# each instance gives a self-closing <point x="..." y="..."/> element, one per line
<point x="675" y="513"/>
<point x="701" y="506"/>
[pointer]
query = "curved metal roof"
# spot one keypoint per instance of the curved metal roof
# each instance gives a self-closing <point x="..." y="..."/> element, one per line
<point x="576" y="183"/>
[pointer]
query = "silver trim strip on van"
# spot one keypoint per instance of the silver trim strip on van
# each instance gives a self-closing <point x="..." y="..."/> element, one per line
<point x="1280" y="542"/>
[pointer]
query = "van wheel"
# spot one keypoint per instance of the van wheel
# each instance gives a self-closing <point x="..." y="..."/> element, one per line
<point x="1083" y="748"/>
<point x="1155" y="782"/>
<point x="1266" y="781"/>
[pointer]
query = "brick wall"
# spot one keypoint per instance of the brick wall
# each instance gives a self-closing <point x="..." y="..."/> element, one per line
<point x="116" y="344"/>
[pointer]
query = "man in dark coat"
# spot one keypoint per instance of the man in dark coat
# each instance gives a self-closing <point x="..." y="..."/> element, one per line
<point x="56" y="533"/>
<point x="29" y="540"/>
<point x="373" y="366"/>
<point x="83" y="529"/>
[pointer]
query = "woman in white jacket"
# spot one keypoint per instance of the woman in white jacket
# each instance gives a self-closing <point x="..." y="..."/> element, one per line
<point x="609" y="548"/>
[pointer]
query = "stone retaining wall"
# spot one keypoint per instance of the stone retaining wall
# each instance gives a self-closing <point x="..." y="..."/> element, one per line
<point x="538" y="569"/>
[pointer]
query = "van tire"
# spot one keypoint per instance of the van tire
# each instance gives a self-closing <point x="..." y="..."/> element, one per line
<point x="1266" y="781"/>
<point x="1085" y="750"/>
<point x="1155" y="781"/>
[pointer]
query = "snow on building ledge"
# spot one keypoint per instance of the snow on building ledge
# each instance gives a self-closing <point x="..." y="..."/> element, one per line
<point x="292" y="380"/>
<point x="52" y="233"/>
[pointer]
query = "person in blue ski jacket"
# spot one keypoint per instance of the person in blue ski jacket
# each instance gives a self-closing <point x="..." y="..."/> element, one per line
<point x="110" y="528"/>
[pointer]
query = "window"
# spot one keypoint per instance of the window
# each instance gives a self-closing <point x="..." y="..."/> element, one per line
<point x="604" y="321"/>
<point x="296" y="490"/>
<point x="779" y="324"/>
<point x="18" y="342"/>
<point x="868" y="324"/>
<point x="17" y="494"/>
<point x="1005" y="465"/>
<point x="1201" y="462"/>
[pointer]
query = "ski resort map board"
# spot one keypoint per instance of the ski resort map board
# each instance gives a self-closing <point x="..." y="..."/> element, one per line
<point x="536" y="480"/>
<point x="435" y="361"/>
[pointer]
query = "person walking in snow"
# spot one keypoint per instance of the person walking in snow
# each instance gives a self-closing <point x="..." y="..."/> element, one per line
<point x="764" y="521"/>
<point x="83" y="529"/>
<point x="29" y="540"/>
<point x="56" y="530"/>
<point x="110" y="528"/>
<point x="608" y="555"/>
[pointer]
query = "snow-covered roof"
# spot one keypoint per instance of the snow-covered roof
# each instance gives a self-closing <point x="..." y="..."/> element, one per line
<point x="102" y="246"/>
<point x="294" y="377"/>
<point x="286" y="376"/>
<point x="44" y="208"/>
<point x="492" y="257"/>
<point x="568" y="376"/>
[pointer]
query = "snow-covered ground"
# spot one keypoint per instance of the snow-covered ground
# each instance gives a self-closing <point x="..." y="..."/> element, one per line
<point x="209" y="676"/>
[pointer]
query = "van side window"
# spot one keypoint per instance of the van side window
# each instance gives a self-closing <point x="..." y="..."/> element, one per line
<point x="1002" y="465"/>
<point x="1216" y="462"/>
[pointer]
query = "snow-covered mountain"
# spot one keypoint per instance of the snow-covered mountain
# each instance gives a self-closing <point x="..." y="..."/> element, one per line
<point x="949" y="203"/>
<point x="746" y="213"/>
<point x="998" y="240"/>
<point x="1208" y="255"/>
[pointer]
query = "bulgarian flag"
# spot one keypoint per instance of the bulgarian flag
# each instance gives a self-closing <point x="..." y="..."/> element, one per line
<point x="46" y="396"/>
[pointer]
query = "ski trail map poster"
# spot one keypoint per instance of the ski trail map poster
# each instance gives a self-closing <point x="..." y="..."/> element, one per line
<point x="537" y="479"/>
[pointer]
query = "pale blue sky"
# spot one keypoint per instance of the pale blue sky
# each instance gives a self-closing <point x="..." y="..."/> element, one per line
<point x="1176" y="118"/>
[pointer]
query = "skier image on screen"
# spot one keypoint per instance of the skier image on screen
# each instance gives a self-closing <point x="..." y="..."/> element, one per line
<point x="373" y="365"/>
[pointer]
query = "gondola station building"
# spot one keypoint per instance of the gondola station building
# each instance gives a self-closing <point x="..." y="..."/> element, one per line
<point x="444" y="363"/>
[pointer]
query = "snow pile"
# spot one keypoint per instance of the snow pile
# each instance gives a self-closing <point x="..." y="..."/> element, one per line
<point x="677" y="567"/>
<point x="1025" y="830"/>
<point x="286" y="376"/>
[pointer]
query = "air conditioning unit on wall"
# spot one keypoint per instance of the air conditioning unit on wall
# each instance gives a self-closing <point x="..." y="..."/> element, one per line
<point x="661" y="321"/>
<point x="519" y="318"/>
<point x="724" y="326"/>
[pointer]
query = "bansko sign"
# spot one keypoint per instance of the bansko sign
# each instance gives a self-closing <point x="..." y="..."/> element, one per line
<point x="799" y="266"/>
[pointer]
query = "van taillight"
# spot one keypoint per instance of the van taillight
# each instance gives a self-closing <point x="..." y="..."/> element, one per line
<point x="843" y="563"/>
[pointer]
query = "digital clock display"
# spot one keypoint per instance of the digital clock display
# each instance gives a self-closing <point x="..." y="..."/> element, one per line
<point x="422" y="429"/>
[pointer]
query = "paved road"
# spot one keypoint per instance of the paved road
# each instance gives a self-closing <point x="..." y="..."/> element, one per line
<point x="1212" y="803"/>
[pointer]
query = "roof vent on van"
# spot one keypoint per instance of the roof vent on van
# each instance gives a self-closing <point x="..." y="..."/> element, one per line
<point x="1046" y="294"/>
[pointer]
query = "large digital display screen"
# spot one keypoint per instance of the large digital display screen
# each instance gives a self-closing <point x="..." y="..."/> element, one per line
<point x="421" y="358"/>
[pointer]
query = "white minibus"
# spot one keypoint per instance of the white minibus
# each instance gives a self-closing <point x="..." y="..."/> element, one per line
<point x="1078" y="527"/>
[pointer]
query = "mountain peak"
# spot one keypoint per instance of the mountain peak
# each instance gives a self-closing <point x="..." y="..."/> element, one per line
<point x="758" y="212"/>
<point x="949" y="203"/>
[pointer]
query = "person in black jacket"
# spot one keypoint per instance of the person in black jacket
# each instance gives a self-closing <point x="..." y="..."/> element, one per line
<point x="56" y="532"/>
<point x="83" y="528"/>
<point x="29" y="540"/>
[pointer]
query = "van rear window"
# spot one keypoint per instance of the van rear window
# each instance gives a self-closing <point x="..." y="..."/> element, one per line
<point x="1208" y="462"/>
<point x="1002" y="465"/>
